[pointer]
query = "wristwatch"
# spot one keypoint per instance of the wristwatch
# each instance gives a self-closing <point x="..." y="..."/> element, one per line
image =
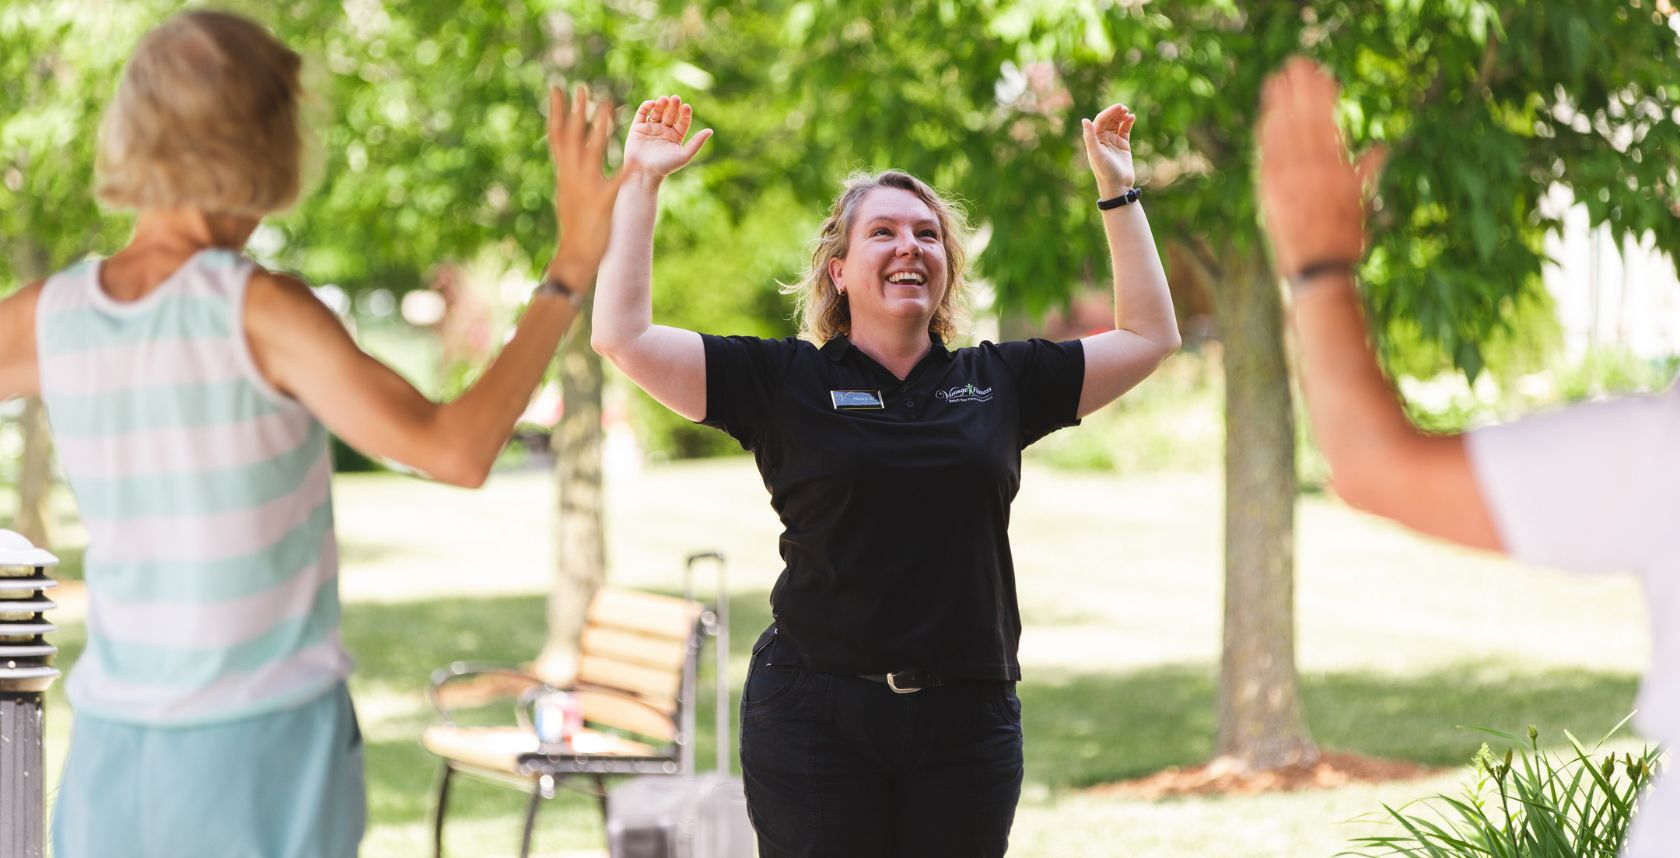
<point x="1127" y="198"/>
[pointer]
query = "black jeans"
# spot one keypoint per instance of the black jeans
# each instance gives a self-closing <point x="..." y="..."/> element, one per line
<point x="843" y="766"/>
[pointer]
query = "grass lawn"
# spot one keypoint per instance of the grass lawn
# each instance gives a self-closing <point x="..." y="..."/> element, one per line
<point x="1401" y="643"/>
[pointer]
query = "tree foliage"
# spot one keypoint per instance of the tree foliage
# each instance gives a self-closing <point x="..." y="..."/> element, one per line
<point x="1485" y="106"/>
<point x="431" y="149"/>
<point x="58" y="64"/>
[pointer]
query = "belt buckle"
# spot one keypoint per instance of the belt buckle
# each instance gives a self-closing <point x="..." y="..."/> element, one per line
<point x="892" y="682"/>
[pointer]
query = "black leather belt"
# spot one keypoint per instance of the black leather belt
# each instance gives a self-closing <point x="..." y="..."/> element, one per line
<point x="905" y="681"/>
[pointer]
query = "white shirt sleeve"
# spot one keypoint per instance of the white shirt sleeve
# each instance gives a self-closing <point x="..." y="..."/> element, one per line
<point x="1592" y="488"/>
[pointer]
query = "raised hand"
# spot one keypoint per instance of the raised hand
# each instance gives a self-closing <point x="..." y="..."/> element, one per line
<point x="655" y="143"/>
<point x="583" y="195"/>
<point x="1108" y="146"/>
<point x="1311" y="194"/>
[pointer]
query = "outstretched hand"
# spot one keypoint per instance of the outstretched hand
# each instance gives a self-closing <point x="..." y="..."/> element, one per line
<point x="655" y="143"/>
<point x="1108" y="146"/>
<point x="583" y="195"/>
<point x="1312" y="196"/>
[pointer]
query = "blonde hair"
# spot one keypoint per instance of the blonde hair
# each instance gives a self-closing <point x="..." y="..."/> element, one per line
<point x="823" y="312"/>
<point x="206" y="118"/>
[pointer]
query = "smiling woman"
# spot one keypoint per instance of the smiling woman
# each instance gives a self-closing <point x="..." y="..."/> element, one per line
<point x="879" y="714"/>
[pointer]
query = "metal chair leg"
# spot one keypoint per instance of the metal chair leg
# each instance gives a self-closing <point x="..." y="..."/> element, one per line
<point x="601" y="795"/>
<point x="442" y="802"/>
<point x="544" y="790"/>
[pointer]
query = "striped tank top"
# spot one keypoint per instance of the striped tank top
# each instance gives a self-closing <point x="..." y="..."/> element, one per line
<point x="212" y="569"/>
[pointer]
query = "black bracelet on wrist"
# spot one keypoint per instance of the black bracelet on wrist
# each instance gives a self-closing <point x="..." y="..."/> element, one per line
<point x="1320" y="269"/>
<point x="1126" y="198"/>
<point x="555" y="286"/>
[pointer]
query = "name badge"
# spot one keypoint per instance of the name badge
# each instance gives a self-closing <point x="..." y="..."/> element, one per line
<point x="856" y="400"/>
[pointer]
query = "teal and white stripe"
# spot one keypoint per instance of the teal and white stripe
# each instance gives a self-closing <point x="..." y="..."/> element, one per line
<point x="212" y="568"/>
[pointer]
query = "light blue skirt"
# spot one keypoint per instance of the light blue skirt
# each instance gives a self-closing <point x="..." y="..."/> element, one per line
<point x="287" y="784"/>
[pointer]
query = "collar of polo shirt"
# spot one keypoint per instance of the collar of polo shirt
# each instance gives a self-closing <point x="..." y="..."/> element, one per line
<point x="837" y="347"/>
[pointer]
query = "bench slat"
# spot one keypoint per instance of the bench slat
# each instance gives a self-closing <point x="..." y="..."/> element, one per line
<point x="658" y="653"/>
<point x="658" y="687"/>
<point x="611" y="710"/>
<point x="646" y="613"/>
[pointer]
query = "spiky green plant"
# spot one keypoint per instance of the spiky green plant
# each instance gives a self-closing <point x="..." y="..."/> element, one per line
<point x="1526" y="803"/>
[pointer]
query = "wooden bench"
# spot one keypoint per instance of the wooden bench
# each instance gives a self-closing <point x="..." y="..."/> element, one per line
<point x="637" y="669"/>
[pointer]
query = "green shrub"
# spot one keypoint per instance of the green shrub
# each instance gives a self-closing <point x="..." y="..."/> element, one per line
<point x="1171" y="422"/>
<point x="666" y="435"/>
<point x="1612" y="371"/>
<point x="1527" y="803"/>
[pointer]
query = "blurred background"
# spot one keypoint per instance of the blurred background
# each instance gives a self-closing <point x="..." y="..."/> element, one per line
<point x="1521" y="256"/>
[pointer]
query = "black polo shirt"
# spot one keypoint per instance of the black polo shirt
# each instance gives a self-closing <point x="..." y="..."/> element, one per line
<point x="894" y="494"/>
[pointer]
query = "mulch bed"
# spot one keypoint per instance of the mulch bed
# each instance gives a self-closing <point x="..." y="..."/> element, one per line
<point x="1225" y="776"/>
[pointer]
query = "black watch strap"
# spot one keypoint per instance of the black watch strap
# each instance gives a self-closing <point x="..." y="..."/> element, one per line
<point x="1126" y="198"/>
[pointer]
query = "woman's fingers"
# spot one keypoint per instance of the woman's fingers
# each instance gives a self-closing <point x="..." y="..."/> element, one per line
<point x="692" y="148"/>
<point x="580" y="104"/>
<point x="577" y="117"/>
<point x="1110" y="117"/>
<point x="1297" y="111"/>
<point x="684" y="118"/>
<point x="556" y="113"/>
<point x="565" y="131"/>
<point x="567" y="122"/>
<point x="601" y="129"/>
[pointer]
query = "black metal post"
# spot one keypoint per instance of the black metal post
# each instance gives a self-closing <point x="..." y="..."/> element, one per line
<point x="21" y="817"/>
<point x="26" y="672"/>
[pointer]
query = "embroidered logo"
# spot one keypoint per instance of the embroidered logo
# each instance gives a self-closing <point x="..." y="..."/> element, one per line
<point x="966" y="393"/>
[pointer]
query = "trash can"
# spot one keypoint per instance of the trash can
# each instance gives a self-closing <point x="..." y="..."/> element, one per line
<point x="26" y="672"/>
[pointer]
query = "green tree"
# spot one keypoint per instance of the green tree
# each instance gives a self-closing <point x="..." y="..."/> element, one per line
<point x="57" y="71"/>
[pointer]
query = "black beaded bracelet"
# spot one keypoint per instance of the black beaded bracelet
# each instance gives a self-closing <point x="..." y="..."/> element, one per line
<point x="1126" y="198"/>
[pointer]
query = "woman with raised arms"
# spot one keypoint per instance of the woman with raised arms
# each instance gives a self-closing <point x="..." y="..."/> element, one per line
<point x="879" y="715"/>
<point x="191" y="392"/>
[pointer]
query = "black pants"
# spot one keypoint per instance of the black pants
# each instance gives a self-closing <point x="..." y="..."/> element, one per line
<point x="842" y="766"/>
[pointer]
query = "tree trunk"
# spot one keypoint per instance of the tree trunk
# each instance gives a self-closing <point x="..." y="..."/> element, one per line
<point x="580" y="532"/>
<point x="1260" y="719"/>
<point x="35" y="476"/>
<point x="1018" y="325"/>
